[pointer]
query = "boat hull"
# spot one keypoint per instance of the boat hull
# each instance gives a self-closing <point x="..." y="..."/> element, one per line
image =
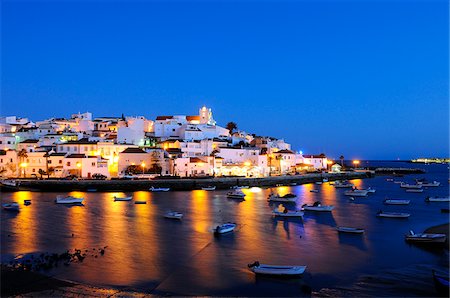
<point x="396" y="202"/>
<point x="349" y="230"/>
<point x="274" y="270"/>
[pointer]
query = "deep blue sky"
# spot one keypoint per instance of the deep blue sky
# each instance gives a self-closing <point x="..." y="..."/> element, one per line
<point x="366" y="79"/>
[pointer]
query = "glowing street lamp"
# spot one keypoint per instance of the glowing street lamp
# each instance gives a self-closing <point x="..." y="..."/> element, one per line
<point x="79" y="168"/>
<point x="23" y="165"/>
<point x="143" y="167"/>
<point x="355" y="163"/>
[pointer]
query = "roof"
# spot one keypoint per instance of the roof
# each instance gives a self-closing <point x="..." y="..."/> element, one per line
<point x="314" y="155"/>
<point x="164" y="117"/>
<point x="133" y="150"/>
<point x="29" y="141"/>
<point x="83" y="141"/>
<point x="76" y="156"/>
<point x="285" y="151"/>
<point x="196" y="160"/>
<point x="173" y="150"/>
<point x="58" y="154"/>
<point x="191" y="118"/>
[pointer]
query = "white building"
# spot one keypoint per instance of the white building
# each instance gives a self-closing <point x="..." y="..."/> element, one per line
<point x="133" y="129"/>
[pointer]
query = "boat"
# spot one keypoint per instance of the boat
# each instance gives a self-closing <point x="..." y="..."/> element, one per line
<point x="286" y="198"/>
<point x="398" y="182"/>
<point x="370" y="190"/>
<point x="239" y="187"/>
<point x="122" y="198"/>
<point x="11" y="183"/>
<point x="393" y="214"/>
<point x="27" y="202"/>
<point x="317" y="206"/>
<point x="314" y="190"/>
<point x="11" y="206"/>
<point x="325" y="180"/>
<point x="264" y="269"/>
<point x="410" y="186"/>
<point x="68" y="200"/>
<point x="225" y="228"/>
<point x="91" y="190"/>
<point x="288" y="213"/>
<point x="356" y="193"/>
<point x="414" y="190"/>
<point x="425" y="237"/>
<point x="236" y="194"/>
<point x="429" y="184"/>
<point x="319" y="182"/>
<point x="209" y="188"/>
<point x="156" y="189"/>
<point x="173" y="215"/>
<point x="350" y="230"/>
<point x="293" y="184"/>
<point x="437" y="199"/>
<point x="441" y="283"/>
<point x="396" y="202"/>
<point x="389" y="179"/>
<point x="140" y="202"/>
<point x="338" y="184"/>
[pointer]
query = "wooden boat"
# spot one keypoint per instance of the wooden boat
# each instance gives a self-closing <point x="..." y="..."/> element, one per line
<point x="173" y="215"/>
<point x="122" y="198"/>
<point x="159" y="189"/>
<point x="236" y="194"/>
<point x="209" y="188"/>
<point x="356" y="193"/>
<point x="11" y="206"/>
<point x="286" y="198"/>
<point x="288" y="213"/>
<point x="317" y="206"/>
<point x="437" y="199"/>
<point x="393" y="214"/>
<point x="410" y="186"/>
<point x="68" y="200"/>
<point x="27" y="202"/>
<point x="225" y="228"/>
<point x="350" y="230"/>
<point x="414" y="190"/>
<point x="278" y="270"/>
<point x="425" y="238"/>
<point x="441" y="283"/>
<point x="396" y="202"/>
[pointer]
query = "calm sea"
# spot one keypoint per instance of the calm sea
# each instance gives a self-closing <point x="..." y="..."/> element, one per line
<point x="149" y="253"/>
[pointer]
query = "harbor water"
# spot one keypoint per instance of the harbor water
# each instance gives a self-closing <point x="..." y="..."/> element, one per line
<point x="149" y="253"/>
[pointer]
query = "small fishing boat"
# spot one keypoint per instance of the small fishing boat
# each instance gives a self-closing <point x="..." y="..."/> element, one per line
<point x="173" y="215"/>
<point x="209" y="188"/>
<point x="140" y="202"/>
<point x="338" y="184"/>
<point x="393" y="214"/>
<point x="11" y="206"/>
<point x="159" y="189"/>
<point x="264" y="269"/>
<point x="425" y="238"/>
<point x="225" y="228"/>
<point x="68" y="200"/>
<point x="286" y="198"/>
<point x="370" y="190"/>
<point x="410" y="186"/>
<point x="429" y="184"/>
<point x="317" y="206"/>
<point x="288" y="213"/>
<point x="356" y="193"/>
<point x="396" y="202"/>
<point x="27" y="202"/>
<point x="236" y="194"/>
<point x="414" y="190"/>
<point x="314" y="190"/>
<point x="350" y="230"/>
<point x="122" y="198"/>
<point x="437" y="199"/>
<point x="441" y="283"/>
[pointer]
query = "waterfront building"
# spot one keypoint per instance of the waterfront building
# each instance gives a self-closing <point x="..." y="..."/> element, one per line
<point x="9" y="165"/>
<point x="318" y="161"/>
<point x="132" y="130"/>
<point x="84" y="166"/>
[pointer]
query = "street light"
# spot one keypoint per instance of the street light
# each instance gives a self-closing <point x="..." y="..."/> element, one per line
<point x="143" y="167"/>
<point x="355" y="163"/>
<point x="79" y="169"/>
<point x="23" y="165"/>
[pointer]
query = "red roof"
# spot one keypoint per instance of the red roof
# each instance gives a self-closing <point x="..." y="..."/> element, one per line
<point x="164" y="117"/>
<point x="196" y="160"/>
<point x="191" y="118"/>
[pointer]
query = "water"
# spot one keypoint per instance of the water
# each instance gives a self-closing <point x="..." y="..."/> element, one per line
<point x="152" y="254"/>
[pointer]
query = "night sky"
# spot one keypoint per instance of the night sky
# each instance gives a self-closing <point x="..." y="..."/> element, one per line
<point x="366" y="79"/>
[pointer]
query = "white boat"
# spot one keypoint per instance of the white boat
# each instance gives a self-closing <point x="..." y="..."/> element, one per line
<point x="437" y="199"/>
<point x="314" y="190"/>
<point x="393" y="214"/>
<point x="288" y="213"/>
<point x="156" y="189"/>
<point x="414" y="190"/>
<point x="239" y="187"/>
<point x="258" y="268"/>
<point x="173" y="215"/>
<point x="68" y="200"/>
<point x="9" y="183"/>
<point x="319" y="182"/>
<point x="425" y="238"/>
<point x="350" y="230"/>
<point x="389" y="179"/>
<point x="236" y="194"/>
<point x="11" y="206"/>
<point x="317" y="206"/>
<point x="293" y="184"/>
<point x="410" y="186"/>
<point x="356" y="193"/>
<point x="396" y="202"/>
<point x="122" y="198"/>
<point x="370" y="190"/>
<point x="209" y="188"/>
<point x="338" y="184"/>
<point x="429" y="184"/>
<point x="325" y="180"/>
<point x="286" y="198"/>
<point x="225" y="228"/>
<point x="398" y="182"/>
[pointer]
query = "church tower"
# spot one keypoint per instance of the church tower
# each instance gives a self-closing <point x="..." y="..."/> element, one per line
<point x="206" y="116"/>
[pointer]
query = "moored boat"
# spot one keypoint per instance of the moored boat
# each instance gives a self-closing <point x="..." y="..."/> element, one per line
<point x="209" y="188"/>
<point x="370" y="190"/>
<point x="288" y="213"/>
<point x="173" y="215"/>
<point x="239" y="187"/>
<point x="410" y="186"/>
<point x="279" y="270"/>
<point x="350" y="230"/>
<point x="425" y="237"/>
<point x="339" y="184"/>
<point x="68" y="200"/>
<point x="317" y="206"/>
<point x="314" y="190"/>
<point x="225" y="228"/>
<point x="414" y="190"/>
<point x="286" y="198"/>
<point x="236" y="194"/>
<point x="11" y="206"/>
<point x="437" y="199"/>
<point x="393" y="214"/>
<point x="356" y="193"/>
<point x="396" y="202"/>
<point x="429" y="184"/>
<point x="122" y="198"/>
<point x="158" y="189"/>
<point x="319" y="182"/>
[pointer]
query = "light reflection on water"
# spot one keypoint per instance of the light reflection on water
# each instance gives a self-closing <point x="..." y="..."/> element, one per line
<point x="147" y="251"/>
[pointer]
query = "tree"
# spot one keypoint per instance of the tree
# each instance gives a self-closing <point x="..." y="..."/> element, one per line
<point x="22" y="154"/>
<point x="231" y="126"/>
<point x="342" y="160"/>
<point x="50" y="171"/>
<point x="41" y="172"/>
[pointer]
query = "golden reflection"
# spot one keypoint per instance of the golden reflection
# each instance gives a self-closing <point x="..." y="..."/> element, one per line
<point x="201" y="213"/>
<point x="76" y="222"/>
<point x="24" y="227"/>
<point x="358" y="183"/>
